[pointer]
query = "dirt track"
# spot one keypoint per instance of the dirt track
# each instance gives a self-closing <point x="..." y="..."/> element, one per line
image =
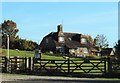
<point x="7" y="78"/>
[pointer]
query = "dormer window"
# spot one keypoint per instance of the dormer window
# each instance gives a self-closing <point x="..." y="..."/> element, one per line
<point x="61" y="39"/>
<point x="83" y="41"/>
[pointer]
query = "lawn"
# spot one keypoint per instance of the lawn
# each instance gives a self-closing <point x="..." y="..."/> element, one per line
<point x="20" y="53"/>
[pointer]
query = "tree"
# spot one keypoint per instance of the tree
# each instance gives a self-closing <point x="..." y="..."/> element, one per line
<point x="23" y="44"/>
<point x="8" y="28"/>
<point x="117" y="49"/>
<point x="101" y="41"/>
<point x="89" y="38"/>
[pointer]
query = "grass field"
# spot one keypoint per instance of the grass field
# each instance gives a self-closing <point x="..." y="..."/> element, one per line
<point x="29" y="54"/>
<point x="20" y="53"/>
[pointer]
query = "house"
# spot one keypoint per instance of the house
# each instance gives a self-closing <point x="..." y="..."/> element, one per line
<point x="108" y="51"/>
<point x="68" y="43"/>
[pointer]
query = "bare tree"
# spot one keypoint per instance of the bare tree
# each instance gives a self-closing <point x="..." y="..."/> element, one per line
<point x="101" y="41"/>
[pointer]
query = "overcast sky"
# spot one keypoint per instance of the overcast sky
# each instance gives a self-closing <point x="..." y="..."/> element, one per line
<point x="37" y="19"/>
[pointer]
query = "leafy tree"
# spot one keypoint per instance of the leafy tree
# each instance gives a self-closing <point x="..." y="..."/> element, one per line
<point x="117" y="47"/>
<point x="101" y="41"/>
<point x="89" y="38"/>
<point x="8" y="28"/>
<point x="23" y="44"/>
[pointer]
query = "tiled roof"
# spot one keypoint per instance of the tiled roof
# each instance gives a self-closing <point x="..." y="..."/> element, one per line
<point x="71" y="43"/>
<point x="72" y="40"/>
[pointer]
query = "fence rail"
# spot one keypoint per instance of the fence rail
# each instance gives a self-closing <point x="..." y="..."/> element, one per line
<point x="59" y="67"/>
<point x="70" y="66"/>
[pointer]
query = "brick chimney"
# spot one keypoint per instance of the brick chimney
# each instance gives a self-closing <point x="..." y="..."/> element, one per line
<point x="80" y="37"/>
<point x="94" y="41"/>
<point x="59" y="28"/>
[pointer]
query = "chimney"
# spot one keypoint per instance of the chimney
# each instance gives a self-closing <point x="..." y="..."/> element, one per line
<point x="94" y="41"/>
<point x="59" y="27"/>
<point x="80" y="37"/>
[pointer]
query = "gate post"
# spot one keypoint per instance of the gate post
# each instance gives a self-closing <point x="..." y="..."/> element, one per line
<point x="109" y="65"/>
<point x="29" y="60"/>
<point x="6" y="65"/>
<point x="25" y="64"/>
<point x="68" y="65"/>
<point x="33" y="64"/>
<point x="105" y="60"/>
<point x="15" y="64"/>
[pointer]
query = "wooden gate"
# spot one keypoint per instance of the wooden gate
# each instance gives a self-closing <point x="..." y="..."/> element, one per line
<point x="69" y="66"/>
<point x="115" y="66"/>
<point x="17" y="65"/>
<point x="3" y="64"/>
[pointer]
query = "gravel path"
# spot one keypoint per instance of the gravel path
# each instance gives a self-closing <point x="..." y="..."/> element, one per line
<point x="14" y="78"/>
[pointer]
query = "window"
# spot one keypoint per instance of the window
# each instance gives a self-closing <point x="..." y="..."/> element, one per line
<point x="61" y="39"/>
<point x="82" y="50"/>
<point x="83" y="41"/>
<point x="85" y="50"/>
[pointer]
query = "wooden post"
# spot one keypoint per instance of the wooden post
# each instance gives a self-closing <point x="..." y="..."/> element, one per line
<point x="25" y="69"/>
<point x="6" y="61"/>
<point x="109" y="65"/>
<point x="33" y="63"/>
<point x="105" y="65"/>
<point x="68" y="65"/>
<point x="41" y="64"/>
<point x="15" y="64"/>
<point x="29" y="67"/>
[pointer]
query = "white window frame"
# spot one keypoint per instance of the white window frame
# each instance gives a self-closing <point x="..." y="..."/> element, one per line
<point x="83" y="41"/>
<point x="61" y="39"/>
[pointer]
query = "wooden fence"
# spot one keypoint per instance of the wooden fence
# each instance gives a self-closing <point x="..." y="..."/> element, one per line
<point x="68" y="66"/>
<point x="59" y="67"/>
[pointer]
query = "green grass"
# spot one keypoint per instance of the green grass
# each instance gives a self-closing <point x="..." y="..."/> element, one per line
<point x="20" y="53"/>
<point x="53" y="57"/>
